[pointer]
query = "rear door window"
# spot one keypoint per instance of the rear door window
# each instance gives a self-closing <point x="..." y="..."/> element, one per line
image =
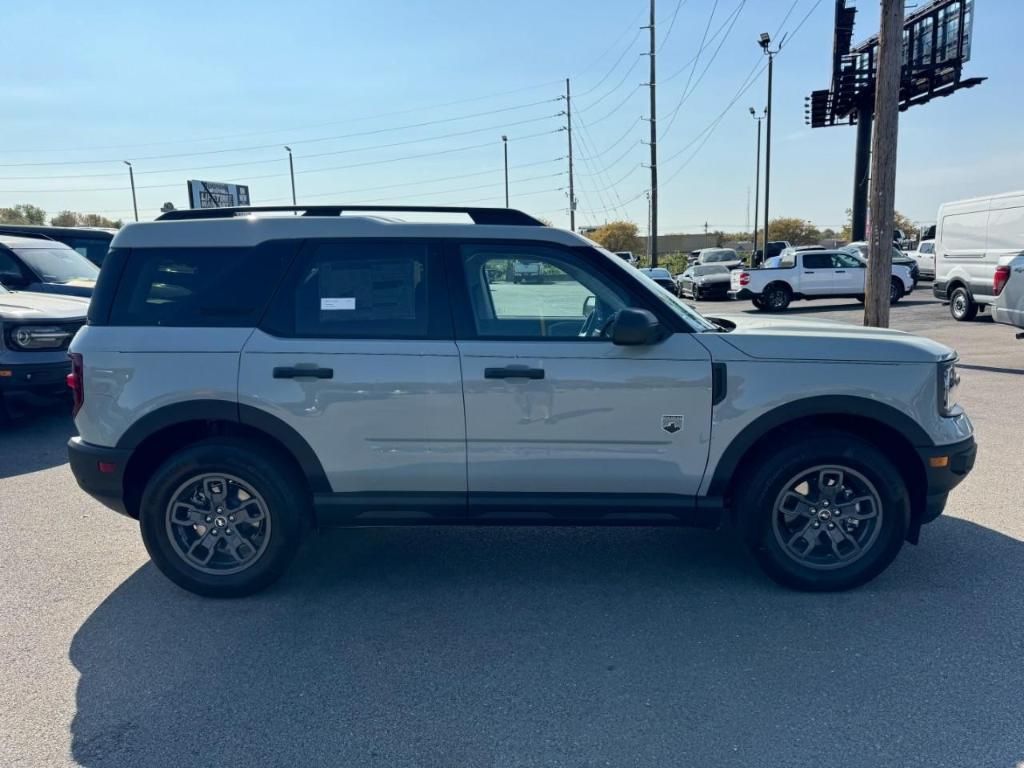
<point x="817" y="261"/>
<point x="199" y="287"/>
<point x="360" y="289"/>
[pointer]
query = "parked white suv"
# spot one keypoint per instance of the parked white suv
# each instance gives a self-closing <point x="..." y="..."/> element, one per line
<point x="243" y="378"/>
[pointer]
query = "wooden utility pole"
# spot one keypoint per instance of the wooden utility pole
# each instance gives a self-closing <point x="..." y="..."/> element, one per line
<point x="883" y="164"/>
<point x="568" y="126"/>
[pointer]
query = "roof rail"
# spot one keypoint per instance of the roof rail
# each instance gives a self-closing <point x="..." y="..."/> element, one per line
<point x="24" y="233"/>
<point x="503" y="216"/>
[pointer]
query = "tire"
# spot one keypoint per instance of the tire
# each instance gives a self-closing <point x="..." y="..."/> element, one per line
<point x="776" y="298"/>
<point x="758" y="303"/>
<point x="860" y="299"/>
<point x="253" y="481"/>
<point x="961" y="306"/>
<point x="895" y="291"/>
<point x="773" y="536"/>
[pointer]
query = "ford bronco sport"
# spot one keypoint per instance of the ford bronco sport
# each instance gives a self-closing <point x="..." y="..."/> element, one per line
<point x="248" y="374"/>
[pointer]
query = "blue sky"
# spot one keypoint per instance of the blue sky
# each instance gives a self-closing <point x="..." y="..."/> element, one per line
<point x="215" y="90"/>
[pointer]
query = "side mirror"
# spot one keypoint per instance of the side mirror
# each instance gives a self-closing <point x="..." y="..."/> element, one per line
<point x="589" y="304"/>
<point x="635" y="327"/>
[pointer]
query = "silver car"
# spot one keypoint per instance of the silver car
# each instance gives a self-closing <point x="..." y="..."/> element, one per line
<point x="248" y="374"/>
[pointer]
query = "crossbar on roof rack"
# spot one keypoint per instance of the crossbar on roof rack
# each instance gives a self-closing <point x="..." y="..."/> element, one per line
<point x="502" y="216"/>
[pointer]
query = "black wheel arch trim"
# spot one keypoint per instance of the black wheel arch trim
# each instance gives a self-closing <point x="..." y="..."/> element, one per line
<point x="824" y="405"/>
<point x="239" y="413"/>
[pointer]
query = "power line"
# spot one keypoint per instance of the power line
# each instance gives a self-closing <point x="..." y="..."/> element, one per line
<point x="306" y="171"/>
<point x="688" y="91"/>
<point x="247" y="134"/>
<point x="672" y="23"/>
<point x="277" y="145"/>
<point x="618" y="141"/>
<point x="613" y="45"/>
<point x="189" y="169"/>
<point x="613" y="67"/>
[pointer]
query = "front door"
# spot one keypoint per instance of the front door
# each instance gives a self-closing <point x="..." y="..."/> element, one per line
<point x="357" y="356"/>
<point x="561" y="422"/>
<point x="848" y="275"/>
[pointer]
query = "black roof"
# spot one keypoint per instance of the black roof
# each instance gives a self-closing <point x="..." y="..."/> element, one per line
<point x="41" y="230"/>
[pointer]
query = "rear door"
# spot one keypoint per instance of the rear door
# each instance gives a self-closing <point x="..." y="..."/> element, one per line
<point x="561" y="422"/>
<point x="816" y="274"/>
<point x="357" y="356"/>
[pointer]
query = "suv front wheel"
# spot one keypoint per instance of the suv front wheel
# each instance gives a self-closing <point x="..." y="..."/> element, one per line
<point x="221" y="518"/>
<point x="825" y="512"/>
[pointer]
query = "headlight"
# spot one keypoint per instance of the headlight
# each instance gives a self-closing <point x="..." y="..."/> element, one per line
<point x="38" y="337"/>
<point x="949" y="387"/>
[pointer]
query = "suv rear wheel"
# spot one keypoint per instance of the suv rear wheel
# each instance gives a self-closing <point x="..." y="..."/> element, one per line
<point x="825" y="512"/>
<point x="220" y="518"/>
<point x="961" y="306"/>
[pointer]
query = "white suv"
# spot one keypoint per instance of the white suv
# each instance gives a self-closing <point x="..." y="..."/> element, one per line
<point x="245" y="377"/>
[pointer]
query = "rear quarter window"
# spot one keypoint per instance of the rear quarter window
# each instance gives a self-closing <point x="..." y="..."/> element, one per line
<point x="198" y="287"/>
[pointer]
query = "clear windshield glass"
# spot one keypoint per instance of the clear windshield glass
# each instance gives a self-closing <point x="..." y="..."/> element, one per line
<point x="58" y="265"/>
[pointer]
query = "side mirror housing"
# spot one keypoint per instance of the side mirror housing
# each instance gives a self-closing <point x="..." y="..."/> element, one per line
<point x="635" y="327"/>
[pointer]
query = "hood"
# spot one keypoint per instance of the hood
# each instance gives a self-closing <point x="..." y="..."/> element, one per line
<point x="776" y="338"/>
<point x="23" y="305"/>
<point x="70" y="288"/>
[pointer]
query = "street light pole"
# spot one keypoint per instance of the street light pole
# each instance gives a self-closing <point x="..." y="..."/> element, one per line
<point x="131" y="177"/>
<point x="504" y="144"/>
<point x="291" y="172"/>
<point x="765" y="43"/>
<point x="757" y="178"/>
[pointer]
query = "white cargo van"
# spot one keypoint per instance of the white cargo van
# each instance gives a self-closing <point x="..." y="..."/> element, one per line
<point x="972" y="238"/>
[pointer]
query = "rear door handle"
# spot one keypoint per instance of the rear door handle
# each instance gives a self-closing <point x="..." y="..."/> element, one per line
<point x="840" y="271"/>
<point x="514" y="372"/>
<point x="302" y="372"/>
<point x="808" y="271"/>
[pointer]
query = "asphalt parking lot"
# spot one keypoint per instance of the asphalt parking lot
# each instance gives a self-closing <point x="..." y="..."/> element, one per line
<point x="522" y="647"/>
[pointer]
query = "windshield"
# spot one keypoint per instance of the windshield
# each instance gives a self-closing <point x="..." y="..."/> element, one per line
<point x="711" y="269"/>
<point x="58" y="265"/>
<point x="657" y="272"/>
<point x="721" y="256"/>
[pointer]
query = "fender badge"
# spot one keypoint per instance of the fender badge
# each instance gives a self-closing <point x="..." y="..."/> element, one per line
<point x="672" y="424"/>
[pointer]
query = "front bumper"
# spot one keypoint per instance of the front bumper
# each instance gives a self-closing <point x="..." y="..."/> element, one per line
<point x="34" y="377"/>
<point x="100" y="471"/>
<point x="945" y="467"/>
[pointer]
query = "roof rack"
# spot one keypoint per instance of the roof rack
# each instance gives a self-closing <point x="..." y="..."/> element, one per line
<point x="502" y="216"/>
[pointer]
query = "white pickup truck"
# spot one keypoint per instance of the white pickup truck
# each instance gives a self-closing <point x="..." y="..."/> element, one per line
<point x="811" y="275"/>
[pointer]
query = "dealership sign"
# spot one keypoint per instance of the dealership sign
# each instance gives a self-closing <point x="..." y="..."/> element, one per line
<point x="215" y="194"/>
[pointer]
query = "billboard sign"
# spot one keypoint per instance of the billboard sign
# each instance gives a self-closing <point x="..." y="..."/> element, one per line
<point x="215" y="194"/>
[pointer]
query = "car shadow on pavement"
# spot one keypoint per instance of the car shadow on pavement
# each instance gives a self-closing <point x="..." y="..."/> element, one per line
<point x="36" y="436"/>
<point x="501" y="647"/>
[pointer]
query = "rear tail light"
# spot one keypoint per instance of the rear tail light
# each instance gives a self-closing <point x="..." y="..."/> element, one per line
<point x="76" y="383"/>
<point x="999" y="279"/>
<point x="744" y="278"/>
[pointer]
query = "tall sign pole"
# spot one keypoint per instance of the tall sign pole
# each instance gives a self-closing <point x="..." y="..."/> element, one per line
<point x="883" y="164"/>
<point x="131" y="178"/>
<point x="654" y="147"/>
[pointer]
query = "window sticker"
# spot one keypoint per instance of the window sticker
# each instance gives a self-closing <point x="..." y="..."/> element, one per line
<point x="337" y="303"/>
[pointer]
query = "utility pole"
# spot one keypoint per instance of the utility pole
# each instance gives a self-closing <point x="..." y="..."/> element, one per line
<point x="757" y="180"/>
<point x="883" y="164"/>
<point x="705" y="234"/>
<point x="291" y="171"/>
<point x="504" y="143"/>
<point x="862" y="171"/>
<point x="649" y="230"/>
<point x="654" y="146"/>
<point x="572" y="193"/>
<point x="131" y="177"/>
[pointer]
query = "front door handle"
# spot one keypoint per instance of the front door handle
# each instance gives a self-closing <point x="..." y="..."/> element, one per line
<point x="808" y="271"/>
<point x="840" y="271"/>
<point x="514" y="372"/>
<point x="303" y="372"/>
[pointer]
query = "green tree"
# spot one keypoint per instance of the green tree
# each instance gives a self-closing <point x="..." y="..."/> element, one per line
<point x="618" y="236"/>
<point x="23" y="213"/>
<point x="794" y="231"/>
<point x="75" y="219"/>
